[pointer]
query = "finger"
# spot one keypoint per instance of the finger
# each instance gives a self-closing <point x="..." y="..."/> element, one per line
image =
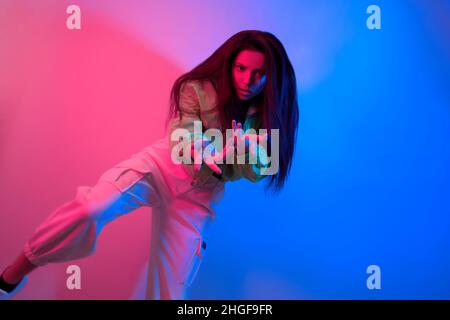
<point x="233" y="127"/>
<point x="240" y="133"/>
<point x="250" y="136"/>
<point x="263" y="137"/>
<point x="197" y="164"/>
<point x="228" y="146"/>
<point x="211" y="162"/>
<point x="214" y="167"/>
<point x="253" y="150"/>
<point x="197" y="161"/>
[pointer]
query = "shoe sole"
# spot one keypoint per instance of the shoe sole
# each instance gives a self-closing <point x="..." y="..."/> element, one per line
<point x="7" y="296"/>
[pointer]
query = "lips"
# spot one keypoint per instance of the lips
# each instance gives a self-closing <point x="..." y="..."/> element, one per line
<point x="246" y="92"/>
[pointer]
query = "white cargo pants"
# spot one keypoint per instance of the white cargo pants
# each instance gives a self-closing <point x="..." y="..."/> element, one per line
<point x="181" y="215"/>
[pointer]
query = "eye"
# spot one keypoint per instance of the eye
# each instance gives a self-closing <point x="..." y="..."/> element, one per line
<point x="259" y="74"/>
<point x="240" y="67"/>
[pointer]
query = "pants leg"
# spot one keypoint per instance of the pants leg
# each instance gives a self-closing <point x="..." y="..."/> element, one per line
<point x="70" y="232"/>
<point x="178" y="247"/>
<point x="179" y="222"/>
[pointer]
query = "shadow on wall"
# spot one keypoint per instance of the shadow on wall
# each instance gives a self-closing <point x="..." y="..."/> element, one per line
<point x="75" y="103"/>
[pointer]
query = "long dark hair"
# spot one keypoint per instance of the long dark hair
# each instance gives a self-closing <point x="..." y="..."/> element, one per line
<point x="277" y="102"/>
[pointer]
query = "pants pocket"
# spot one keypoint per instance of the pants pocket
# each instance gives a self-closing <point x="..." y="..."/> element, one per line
<point x="194" y="262"/>
<point x="122" y="178"/>
<point x="126" y="173"/>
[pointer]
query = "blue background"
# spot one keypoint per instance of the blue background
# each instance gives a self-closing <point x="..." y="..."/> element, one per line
<point x="370" y="181"/>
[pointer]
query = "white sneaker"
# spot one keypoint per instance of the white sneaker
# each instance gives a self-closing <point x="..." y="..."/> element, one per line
<point x="8" y="295"/>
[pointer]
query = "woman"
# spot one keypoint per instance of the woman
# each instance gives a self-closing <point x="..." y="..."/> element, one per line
<point x="248" y="80"/>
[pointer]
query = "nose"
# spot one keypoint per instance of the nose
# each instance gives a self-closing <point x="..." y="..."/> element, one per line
<point x="247" y="80"/>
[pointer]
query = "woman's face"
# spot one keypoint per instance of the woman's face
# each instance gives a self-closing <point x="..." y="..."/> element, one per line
<point x="248" y="74"/>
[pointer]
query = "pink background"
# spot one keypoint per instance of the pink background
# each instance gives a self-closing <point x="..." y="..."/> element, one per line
<point x="75" y="102"/>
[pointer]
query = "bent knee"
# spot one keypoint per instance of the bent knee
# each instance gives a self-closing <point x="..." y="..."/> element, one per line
<point x="92" y="202"/>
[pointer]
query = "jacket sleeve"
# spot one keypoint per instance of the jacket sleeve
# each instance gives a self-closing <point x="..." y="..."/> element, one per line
<point x="249" y="171"/>
<point x="189" y="112"/>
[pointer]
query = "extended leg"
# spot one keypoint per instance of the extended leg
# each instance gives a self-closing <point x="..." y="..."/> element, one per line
<point x="71" y="231"/>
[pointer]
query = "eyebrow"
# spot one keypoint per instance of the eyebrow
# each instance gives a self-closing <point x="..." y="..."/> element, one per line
<point x="260" y="69"/>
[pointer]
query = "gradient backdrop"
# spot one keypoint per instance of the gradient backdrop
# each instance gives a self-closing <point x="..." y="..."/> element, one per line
<point x="370" y="181"/>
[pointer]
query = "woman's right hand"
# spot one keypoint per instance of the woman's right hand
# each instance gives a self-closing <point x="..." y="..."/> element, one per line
<point x="211" y="159"/>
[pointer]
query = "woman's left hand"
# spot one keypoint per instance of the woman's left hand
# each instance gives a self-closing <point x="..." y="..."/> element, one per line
<point x="249" y="140"/>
